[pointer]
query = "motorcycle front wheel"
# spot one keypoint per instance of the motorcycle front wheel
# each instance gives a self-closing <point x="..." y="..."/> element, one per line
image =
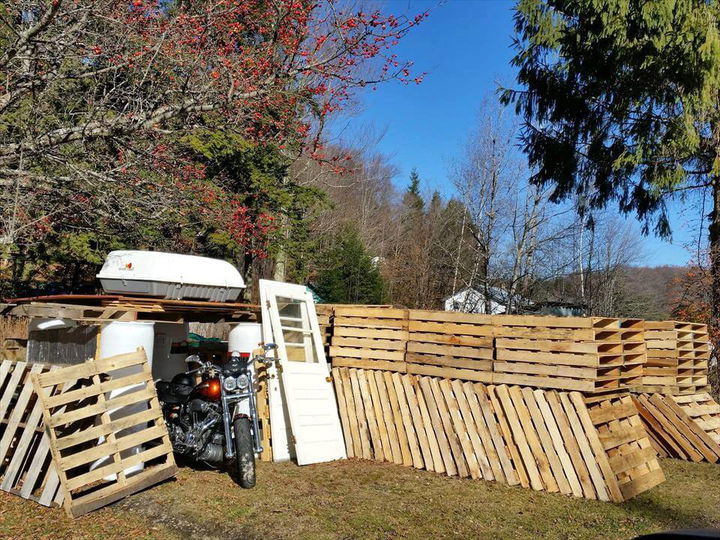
<point x="244" y="452"/>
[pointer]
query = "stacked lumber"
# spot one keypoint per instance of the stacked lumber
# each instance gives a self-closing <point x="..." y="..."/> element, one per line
<point x="682" y="427"/>
<point x="26" y="468"/>
<point x="587" y="354"/>
<point x="99" y="441"/>
<point x="450" y="344"/>
<point x="678" y="354"/>
<point x="369" y="338"/>
<point x="540" y="439"/>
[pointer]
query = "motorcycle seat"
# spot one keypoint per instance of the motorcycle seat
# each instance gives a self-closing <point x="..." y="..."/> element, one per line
<point x="173" y="393"/>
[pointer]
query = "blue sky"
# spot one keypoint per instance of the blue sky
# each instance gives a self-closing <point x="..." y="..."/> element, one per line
<point x="465" y="47"/>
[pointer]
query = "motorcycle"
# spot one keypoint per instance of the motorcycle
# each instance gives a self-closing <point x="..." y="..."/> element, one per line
<point x="216" y="419"/>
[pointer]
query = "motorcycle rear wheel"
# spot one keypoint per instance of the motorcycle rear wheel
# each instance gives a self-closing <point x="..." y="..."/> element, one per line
<point x="244" y="452"/>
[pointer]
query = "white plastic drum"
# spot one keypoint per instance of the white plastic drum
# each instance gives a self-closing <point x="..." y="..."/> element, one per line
<point x="166" y="365"/>
<point x="122" y="337"/>
<point x="245" y="337"/>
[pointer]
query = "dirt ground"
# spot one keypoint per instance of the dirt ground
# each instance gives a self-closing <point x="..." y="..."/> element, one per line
<point x="360" y="499"/>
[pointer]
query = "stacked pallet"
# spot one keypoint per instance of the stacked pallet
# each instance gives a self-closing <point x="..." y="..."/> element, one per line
<point x="369" y="338"/>
<point x="448" y="344"/>
<point x="678" y="354"/>
<point x="683" y="427"/>
<point x="325" y="314"/>
<point x="541" y="439"/>
<point x="570" y="353"/>
<point x="583" y="354"/>
<point x="693" y="357"/>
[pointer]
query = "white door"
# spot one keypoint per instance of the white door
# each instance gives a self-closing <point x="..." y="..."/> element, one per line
<point x="305" y="384"/>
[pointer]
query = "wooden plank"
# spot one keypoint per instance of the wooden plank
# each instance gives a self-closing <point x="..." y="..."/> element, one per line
<point x="367" y="354"/>
<point x="407" y="421"/>
<point x="452" y="436"/>
<point x="580" y="348"/>
<point x="92" y="391"/>
<point x="372" y="419"/>
<point x="449" y="316"/>
<point x="450" y="373"/>
<point x="363" y="424"/>
<point x="88" y="369"/>
<point x="367" y="343"/>
<point x="450" y="362"/>
<point x="451" y="339"/>
<point x="477" y="431"/>
<point x="533" y="441"/>
<point x="548" y="447"/>
<point x="552" y="358"/>
<point x="13" y="382"/>
<point x="518" y="434"/>
<point x="462" y="427"/>
<point x="707" y="447"/>
<point x="542" y="321"/>
<point x="497" y="448"/>
<point x="506" y="430"/>
<point x="450" y="350"/>
<point x="371" y="333"/>
<point x="353" y="433"/>
<point x="437" y="425"/>
<point x="372" y="312"/>
<point x="342" y="409"/>
<point x="585" y="449"/>
<point x="450" y="328"/>
<point x="433" y="460"/>
<point x="620" y="463"/>
<point x="547" y="370"/>
<point x="389" y="418"/>
<point x="597" y="447"/>
<point x="369" y="364"/>
<point x="544" y="382"/>
<point x="557" y="440"/>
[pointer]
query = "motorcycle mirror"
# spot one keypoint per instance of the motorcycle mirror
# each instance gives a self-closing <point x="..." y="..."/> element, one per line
<point x="269" y="346"/>
<point x="193" y="359"/>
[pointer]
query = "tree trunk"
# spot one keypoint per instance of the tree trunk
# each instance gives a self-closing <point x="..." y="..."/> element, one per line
<point x="714" y="237"/>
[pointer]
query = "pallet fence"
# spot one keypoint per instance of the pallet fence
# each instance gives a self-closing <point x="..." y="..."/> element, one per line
<point x="541" y="439"/>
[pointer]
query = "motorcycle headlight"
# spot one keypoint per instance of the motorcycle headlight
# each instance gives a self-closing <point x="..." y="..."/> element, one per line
<point x="230" y="384"/>
<point x="243" y="381"/>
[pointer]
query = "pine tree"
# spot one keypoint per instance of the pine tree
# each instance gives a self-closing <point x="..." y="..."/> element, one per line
<point x="348" y="274"/>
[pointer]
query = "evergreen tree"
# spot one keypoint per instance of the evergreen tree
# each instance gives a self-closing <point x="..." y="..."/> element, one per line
<point x="347" y="273"/>
<point x="620" y="99"/>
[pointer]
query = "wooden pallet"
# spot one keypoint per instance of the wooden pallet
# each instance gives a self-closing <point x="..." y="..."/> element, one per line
<point x="540" y="439"/>
<point x="683" y="430"/>
<point x="588" y="354"/>
<point x="678" y="354"/>
<point x="79" y="392"/>
<point x="26" y="468"/>
<point x="370" y="337"/>
<point x="442" y="340"/>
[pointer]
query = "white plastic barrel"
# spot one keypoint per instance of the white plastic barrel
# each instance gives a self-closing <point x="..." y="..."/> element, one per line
<point x="122" y="337"/>
<point x="245" y="337"/>
<point x="166" y="365"/>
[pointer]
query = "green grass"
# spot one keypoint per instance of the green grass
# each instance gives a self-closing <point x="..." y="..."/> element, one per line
<point x="360" y="499"/>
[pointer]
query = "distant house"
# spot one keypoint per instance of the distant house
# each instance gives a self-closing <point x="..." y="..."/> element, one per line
<point x="472" y="300"/>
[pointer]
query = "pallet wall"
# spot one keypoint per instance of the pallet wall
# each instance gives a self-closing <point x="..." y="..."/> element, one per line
<point x="678" y="355"/>
<point x="540" y="439"/>
<point x="564" y="353"/>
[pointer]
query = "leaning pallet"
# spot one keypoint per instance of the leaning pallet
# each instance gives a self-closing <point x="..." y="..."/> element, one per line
<point x="26" y="467"/>
<point x="682" y="427"/>
<point x="124" y="450"/>
<point x="540" y="439"/>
